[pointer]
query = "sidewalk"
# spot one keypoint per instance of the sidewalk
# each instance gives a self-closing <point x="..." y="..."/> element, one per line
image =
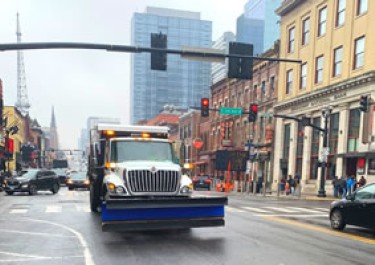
<point x="307" y="197"/>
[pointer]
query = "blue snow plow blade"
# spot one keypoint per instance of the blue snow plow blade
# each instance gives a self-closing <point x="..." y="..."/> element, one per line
<point x="137" y="214"/>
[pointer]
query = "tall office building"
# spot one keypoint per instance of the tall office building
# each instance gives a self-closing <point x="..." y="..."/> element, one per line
<point x="220" y="70"/>
<point x="265" y="10"/>
<point x="250" y="30"/>
<point x="184" y="82"/>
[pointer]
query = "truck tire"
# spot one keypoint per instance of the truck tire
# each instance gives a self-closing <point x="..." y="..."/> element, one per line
<point x="94" y="198"/>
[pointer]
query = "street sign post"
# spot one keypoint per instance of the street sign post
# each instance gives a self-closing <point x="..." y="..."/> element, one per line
<point x="231" y="111"/>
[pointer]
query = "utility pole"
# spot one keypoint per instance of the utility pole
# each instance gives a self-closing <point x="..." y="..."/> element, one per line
<point x="326" y="115"/>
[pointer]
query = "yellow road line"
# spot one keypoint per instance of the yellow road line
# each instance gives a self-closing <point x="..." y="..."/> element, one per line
<point x="321" y="229"/>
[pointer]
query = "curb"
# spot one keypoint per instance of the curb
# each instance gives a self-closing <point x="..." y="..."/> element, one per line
<point x="275" y="197"/>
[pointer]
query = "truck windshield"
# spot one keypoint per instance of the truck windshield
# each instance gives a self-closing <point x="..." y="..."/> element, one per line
<point x="122" y="151"/>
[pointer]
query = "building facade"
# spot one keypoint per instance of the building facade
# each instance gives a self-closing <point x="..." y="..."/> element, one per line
<point x="185" y="81"/>
<point x="250" y="30"/>
<point x="265" y="10"/>
<point x="333" y="39"/>
<point x="219" y="70"/>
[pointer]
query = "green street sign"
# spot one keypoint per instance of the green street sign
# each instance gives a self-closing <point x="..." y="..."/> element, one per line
<point x="266" y="115"/>
<point x="231" y="111"/>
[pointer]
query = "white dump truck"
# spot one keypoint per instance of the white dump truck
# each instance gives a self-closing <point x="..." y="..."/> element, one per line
<point x="136" y="182"/>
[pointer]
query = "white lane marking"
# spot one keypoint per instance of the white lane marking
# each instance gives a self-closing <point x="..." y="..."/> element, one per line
<point x="86" y="250"/>
<point x="258" y="210"/>
<point x="17" y="211"/>
<point x="300" y="209"/>
<point x="53" y="209"/>
<point x="280" y="209"/>
<point x="85" y="209"/>
<point x="28" y="258"/>
<point x="293" y="215"/>
<point x="33" y="233"/>
<point x="234" y="210"/>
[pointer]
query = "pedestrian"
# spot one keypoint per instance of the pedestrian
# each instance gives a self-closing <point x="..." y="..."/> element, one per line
<point x="282" y="184"/>
<point x="291" y="184"/>
<point x="350" y="185"/>
<point x="336" y="186"/>
<point x="287" y="188"/>
<point x="297" y="184"/>
<point x="343" y="186"/>
<point x="362" y="182"/>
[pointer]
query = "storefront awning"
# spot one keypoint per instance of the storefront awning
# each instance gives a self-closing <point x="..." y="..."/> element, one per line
<point x="201" y="162"/>
<point x="357" y="154"/>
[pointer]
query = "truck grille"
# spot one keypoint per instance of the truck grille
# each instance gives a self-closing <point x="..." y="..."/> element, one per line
<point x="147" y="181"/>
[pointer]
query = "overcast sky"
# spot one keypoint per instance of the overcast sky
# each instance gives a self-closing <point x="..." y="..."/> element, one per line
<point x="80" y="83"/>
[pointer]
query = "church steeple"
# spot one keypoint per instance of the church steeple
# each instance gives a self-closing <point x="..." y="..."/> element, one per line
<point x="53" y="136"/>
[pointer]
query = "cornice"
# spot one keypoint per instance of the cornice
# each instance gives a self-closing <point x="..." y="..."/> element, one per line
<point x="327" y="91"/>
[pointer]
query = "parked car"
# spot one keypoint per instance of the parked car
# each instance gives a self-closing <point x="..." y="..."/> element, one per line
<point x="202" y="182"/>
<point x="60" y="172"/>
<point x="32" y="181"/>
<point x="356" y="209"/>
<point x="78" y="180"/>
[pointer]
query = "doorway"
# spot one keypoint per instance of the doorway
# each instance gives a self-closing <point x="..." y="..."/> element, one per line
<point x="351" y="166"/>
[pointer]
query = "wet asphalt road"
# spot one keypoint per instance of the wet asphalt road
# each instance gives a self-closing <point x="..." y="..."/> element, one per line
<point x="60" y="229"/>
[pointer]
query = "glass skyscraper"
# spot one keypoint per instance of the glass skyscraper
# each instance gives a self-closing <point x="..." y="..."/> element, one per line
<point x="185" y="82"/>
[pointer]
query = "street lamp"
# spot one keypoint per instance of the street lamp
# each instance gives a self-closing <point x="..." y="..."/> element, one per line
<point x="326" y="113"/>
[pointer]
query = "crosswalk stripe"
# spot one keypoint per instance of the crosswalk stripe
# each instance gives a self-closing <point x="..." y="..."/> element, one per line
<point x="258" y="210"/>
<point x="18" y="211"/>
<point x="53" y="209"/>
<point x="293" y="215"/>
<point x="234" y="210"/>
<point x="85" y="209"/>
<point x="300" y="209"/>
<point x="283" y="210"/>
<point x="322" y="209"/>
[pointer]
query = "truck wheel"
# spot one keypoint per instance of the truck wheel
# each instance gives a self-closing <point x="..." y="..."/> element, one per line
<point x="94" y="198"/>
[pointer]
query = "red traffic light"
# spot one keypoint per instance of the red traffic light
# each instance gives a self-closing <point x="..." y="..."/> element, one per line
<point x="205" y="102"/>
<point x="254" y="108"/>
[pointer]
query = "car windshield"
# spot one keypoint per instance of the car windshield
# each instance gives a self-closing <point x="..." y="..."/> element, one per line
<point x="78" y="176"/>
<point x="28" y="174"/>
<point x="60" y="172"/>
<point x="123" y="151"/>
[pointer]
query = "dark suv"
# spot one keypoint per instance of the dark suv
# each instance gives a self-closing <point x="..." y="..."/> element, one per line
<point x="202" y="182"/>
<point x="32" y="181"/>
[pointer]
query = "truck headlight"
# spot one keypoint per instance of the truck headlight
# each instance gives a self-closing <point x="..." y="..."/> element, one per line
<point x="185" y="189"/>
<point x="120" y="190"/>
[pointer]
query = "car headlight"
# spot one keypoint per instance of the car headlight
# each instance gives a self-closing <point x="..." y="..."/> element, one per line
<point x="69" y="181"/>
<point x="86" y="181"/>
<point x="24" y="185"/>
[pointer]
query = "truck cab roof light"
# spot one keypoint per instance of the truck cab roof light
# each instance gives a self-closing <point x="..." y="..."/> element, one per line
<point x="109" y="132"/>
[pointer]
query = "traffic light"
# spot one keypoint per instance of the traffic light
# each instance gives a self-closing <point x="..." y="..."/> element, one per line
<point x="205" y="107"/>
<point x="158" y="58"/>
<point x="253" y="112"/>
<point x="241" y="68"/>
<point x="364" y="103"/>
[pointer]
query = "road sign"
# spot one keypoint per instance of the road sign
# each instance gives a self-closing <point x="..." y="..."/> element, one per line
<point x="266" y="115"/>
<point x="231" y="111"/>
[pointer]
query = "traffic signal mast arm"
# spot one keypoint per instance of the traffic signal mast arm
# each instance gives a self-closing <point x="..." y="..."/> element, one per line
<point x="299" y="120"/>
<point x="127" y="48"/>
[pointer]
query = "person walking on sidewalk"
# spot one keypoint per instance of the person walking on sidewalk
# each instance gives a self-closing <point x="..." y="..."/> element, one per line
<point x="343" y="186"/>
<point x="350" y="185"/>
<point x="291" y="184"/>
<point x="336" y="186"/>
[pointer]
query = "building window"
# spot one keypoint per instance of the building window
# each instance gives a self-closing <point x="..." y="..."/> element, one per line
<point x="289" y="81"/>
<point x="314" y="150"/>
<point x="361" y="7"/>
<point x="291" y="40"/>
<point x="302" y="84"/>
<point x="272" y="84"/>
<point x="333" y="143"/>
<point x="353" y="130"/>
<point x="359" y="52"/>
<point x="263" y="89"/>
<point x="299" y="157"/>
<point x="340" y="12"/>
<point x="322" y="21"/>
<point x="337" y="61"/>
<point x="305" y="31"/>
<point x="319" y="69"/>
<point x="286" y="141"/>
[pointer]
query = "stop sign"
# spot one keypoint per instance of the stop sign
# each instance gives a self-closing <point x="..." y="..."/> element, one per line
<point x="198" y="143"/>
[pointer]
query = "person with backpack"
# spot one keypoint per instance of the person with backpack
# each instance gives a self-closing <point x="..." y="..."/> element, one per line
<point x="343" y="186"/>
<point x="291" y="184"/>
